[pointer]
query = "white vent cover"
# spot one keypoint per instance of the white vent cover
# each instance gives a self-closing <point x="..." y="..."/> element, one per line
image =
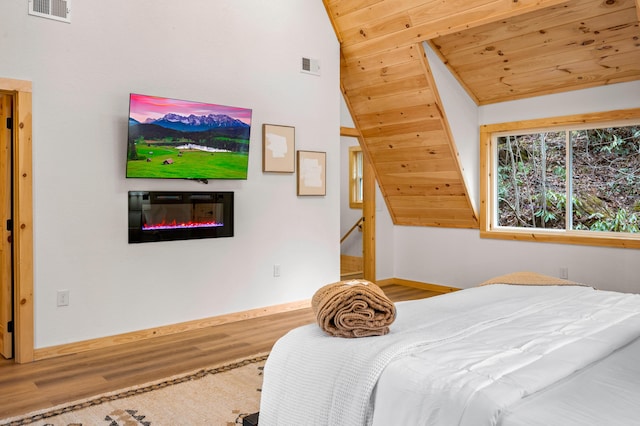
<point x="59" y="10"/>
<point x="310" y="66"/>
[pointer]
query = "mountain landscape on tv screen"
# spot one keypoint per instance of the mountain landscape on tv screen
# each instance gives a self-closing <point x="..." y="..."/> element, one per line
<point x="211" y="146"/>
<point x="213" y="130"/>
<point x="194" y="123"/>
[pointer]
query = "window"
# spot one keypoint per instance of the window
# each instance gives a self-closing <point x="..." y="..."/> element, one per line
<point x="569" y="179"/>
<point x="355" y="177"/>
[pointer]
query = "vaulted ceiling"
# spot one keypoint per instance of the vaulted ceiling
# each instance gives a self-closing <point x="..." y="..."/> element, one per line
<point x="498" y="50"/>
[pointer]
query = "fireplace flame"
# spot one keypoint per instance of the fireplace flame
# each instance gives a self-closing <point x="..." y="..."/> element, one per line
<point x="182" y="225"/>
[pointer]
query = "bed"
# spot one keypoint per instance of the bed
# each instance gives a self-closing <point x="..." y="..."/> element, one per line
<point x="497" y="354"/>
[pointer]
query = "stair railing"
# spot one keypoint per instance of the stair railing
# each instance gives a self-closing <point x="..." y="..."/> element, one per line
<point x="357" y="225"/>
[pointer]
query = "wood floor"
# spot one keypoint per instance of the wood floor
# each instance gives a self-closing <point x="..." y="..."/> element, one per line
<point x="46" y="383"/>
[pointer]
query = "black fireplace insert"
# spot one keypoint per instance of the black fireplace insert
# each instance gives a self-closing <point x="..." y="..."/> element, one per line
<point x="168" y="215"/>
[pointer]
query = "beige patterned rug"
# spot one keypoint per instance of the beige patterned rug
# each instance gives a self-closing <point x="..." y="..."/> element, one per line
<point x="221" y="395"/>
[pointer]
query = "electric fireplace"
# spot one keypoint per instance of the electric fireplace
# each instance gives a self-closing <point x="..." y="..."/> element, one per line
<point x="166" y="216"/>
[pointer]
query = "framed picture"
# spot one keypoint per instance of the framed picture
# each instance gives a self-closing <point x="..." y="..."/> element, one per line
<point x="278" y="148"/>
<point x="312" y="167"/>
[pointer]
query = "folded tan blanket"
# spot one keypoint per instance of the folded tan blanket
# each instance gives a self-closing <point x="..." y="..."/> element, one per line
<point x="353" y="308"/>
<point x="528" y="278"/>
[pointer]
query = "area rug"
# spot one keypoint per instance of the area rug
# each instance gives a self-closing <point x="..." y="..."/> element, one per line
<point x="220" y="395"/>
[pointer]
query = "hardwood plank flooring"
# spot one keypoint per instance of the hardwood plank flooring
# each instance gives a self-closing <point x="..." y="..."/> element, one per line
<point x="46" y="383"/>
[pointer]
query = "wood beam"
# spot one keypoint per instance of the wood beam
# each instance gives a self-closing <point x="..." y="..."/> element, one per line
<point x="369" y="214"/>
<point x="349" y="131"/>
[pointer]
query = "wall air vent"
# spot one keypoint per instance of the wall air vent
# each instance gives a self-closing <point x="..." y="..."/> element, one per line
<point x="59" y="10"/>
<point x="310" y="66"/>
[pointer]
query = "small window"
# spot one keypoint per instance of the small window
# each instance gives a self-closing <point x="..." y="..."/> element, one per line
<point x="355" y="177"/>
<point x="555" y="180"/>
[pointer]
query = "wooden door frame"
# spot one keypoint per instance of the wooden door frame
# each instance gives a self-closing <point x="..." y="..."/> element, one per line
<point x="6" y="213"/>
<point x="22" y="235"/>
<point x="368" y="210"/>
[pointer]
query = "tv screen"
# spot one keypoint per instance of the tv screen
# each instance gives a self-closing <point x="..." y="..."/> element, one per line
<point x="177" y="139"/>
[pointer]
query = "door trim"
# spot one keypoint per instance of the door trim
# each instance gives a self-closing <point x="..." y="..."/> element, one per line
<point x="22" y="218"/>
<point x="369" y="214"/>
<point x="6" y="213"/>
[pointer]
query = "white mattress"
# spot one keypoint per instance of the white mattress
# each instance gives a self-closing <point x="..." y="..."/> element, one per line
<point x="606" y="393"/>
<point x="488" y="355"/>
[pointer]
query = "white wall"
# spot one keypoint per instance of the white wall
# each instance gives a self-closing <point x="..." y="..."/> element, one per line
<point x="462" y="114"/>
<point x="459" y="257"/>
<point x="233" y="52"/>
<point x="385" y="240"/>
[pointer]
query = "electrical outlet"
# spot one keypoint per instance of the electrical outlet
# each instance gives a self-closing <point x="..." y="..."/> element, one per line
<point x="564" y="273"/>
<point x="63" y="298"/>
<point x="276" y="270"/>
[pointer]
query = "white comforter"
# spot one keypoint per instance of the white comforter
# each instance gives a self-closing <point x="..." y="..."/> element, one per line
<point x="464" y="358"/>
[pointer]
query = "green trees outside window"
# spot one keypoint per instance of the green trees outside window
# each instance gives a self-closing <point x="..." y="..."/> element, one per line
<point x="601" y="177"/>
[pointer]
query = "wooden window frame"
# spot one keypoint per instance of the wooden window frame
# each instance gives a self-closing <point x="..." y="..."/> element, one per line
<point x="356" y="177"/>
<point x="488" y="229"/>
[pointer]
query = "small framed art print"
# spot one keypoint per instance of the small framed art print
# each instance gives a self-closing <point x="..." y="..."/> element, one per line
<point x="312" y="167"/>
<point x="278" y="148"/>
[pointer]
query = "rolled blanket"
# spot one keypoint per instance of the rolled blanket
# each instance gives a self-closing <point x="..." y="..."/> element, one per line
<point x="353" y="308"/>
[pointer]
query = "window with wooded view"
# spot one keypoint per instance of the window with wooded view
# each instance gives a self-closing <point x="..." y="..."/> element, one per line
<point x="572" y="180"/>
<point x="356" y="174"/>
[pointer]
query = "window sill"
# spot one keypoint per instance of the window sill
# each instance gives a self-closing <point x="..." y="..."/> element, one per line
<point x="604" y="239"/>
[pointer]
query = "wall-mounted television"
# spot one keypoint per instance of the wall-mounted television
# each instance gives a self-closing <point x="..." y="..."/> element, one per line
<point x="178" y="139"/>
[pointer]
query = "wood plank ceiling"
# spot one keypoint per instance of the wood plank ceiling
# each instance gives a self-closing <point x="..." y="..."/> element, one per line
<point x="499" y="50"/>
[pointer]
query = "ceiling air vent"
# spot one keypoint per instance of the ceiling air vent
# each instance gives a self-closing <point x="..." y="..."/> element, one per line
<point x="59" y="10"/>
<point x="310" y="66"/>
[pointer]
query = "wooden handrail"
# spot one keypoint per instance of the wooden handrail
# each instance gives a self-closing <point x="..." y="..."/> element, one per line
<point x="351" y="230"/>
